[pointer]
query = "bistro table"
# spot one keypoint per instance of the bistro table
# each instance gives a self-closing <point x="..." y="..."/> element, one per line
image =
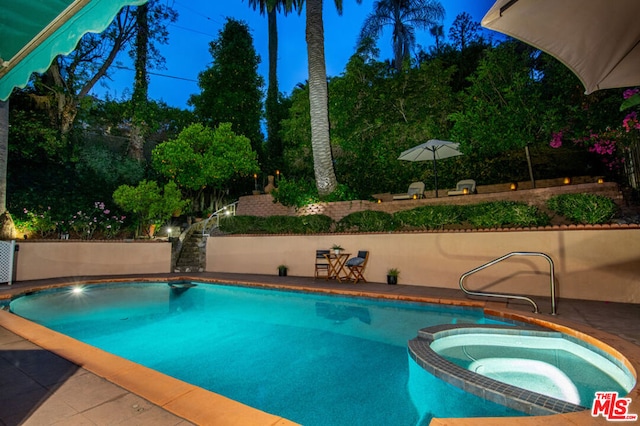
<point x="336" y="265"/>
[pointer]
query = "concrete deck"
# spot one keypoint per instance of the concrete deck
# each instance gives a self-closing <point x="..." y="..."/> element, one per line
<point x="47" y="378"/>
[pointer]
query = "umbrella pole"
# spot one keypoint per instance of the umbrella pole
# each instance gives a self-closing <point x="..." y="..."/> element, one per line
<point x="435" y="172"/>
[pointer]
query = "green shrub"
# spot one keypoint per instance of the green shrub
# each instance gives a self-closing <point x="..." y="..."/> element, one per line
<point x="316" y="223"/>
<point x="150" y="203"/>
<point x="312" y="224"/>
<point x="300" y="193"/>
<point x="429" y="217"/>
<point x="295" y="193"/>
<point x="242" y="225"/>
<point x="367" y="221"/>
<point x="504" y="213"/>
<point x="583" y="208"/>
<point x="282" y="225"/>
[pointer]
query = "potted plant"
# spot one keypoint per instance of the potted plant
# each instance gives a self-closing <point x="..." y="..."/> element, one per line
<point x="282" y="270"/>
<point x="392" y="276"/>
<point x="337" y="248"/>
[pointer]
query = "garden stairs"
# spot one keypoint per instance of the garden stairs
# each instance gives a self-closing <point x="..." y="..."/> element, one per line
<point x="189" y="251"/>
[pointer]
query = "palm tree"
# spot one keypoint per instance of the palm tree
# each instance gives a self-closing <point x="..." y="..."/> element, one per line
<point x="437" y="31"/>
<point x="404" y="16"/>
<point x="326" y="181"/>
<point x="271" y="7"/>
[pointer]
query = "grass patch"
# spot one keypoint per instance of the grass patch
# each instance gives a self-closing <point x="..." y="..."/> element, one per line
<point x="367" y="221"/>
<point x="583" y="208"/>
<point x="429" y="217"/>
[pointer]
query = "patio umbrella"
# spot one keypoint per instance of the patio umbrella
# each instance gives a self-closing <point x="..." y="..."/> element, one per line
<point x="431" y="150"/>
<point x="599" y="40"/>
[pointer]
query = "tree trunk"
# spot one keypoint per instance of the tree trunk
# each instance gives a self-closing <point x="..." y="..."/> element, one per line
<point x="136" y="143"/>
<point x="140" y="96"/>
<point x="274" y="148"/>
<point x="326" y="181"/>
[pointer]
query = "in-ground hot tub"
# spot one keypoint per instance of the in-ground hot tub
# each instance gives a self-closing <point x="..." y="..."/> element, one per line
<point x="535" y="371"/>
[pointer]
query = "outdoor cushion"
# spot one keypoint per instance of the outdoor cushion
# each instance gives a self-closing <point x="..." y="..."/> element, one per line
<point x="355" y="261"/>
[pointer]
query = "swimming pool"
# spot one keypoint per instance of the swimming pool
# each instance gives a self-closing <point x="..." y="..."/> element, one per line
<point x="310" y="358"/>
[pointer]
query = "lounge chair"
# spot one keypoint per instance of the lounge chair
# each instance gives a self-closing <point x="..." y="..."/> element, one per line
<point x="322" y="264"/>
<point x="356" y="266"/>
<point x="465" y="186"/>
<point x="416" y="188"/>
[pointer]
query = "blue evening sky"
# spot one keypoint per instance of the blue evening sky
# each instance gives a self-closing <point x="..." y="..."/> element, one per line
<point x="200" y="21"/>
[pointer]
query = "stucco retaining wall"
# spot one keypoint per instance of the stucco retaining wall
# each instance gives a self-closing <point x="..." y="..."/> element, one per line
<point x="592" y="264"/>
<point x="263" y="205"/>
<point x="42" y="259"/>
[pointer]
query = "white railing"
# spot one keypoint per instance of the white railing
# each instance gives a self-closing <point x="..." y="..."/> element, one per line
<point x="228" y="210"/>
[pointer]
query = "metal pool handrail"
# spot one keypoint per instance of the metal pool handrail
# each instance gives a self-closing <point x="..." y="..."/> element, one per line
<point x="513" y="296"/>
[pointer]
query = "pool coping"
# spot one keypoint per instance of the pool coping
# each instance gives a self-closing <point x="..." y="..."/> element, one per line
<point x="204" y="407"/>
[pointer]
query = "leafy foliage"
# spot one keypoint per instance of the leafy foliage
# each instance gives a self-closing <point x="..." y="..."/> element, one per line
<point x="502" y="97"/>
<point x="367" y="221"/>
<point x="498" y="214"/>
<point x="583" y="208"/>
<point x="99" y="164"/>
<point x="203" y="157"/>
<point x="316" y="223"/>
<point x="299" y="193"/>
<point x="148" y="202"/>
<point x="430" y="217"/>
<point x="404" y="17"/>
<point x="231" y="89"/>
<point x="312" y="224"/>
<point x="97" y="221"/>
<point x="242" y="225"/>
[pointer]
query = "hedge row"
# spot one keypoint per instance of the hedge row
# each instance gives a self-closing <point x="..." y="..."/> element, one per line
<point x="575" y="208"/>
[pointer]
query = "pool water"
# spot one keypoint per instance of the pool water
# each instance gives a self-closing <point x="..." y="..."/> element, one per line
<point x="313" y="359"/>
<point x="543" y="362"/>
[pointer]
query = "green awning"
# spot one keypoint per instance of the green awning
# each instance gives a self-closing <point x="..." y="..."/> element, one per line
<point x="33" y="33"/>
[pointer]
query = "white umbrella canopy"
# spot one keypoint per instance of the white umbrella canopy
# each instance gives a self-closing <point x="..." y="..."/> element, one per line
<point x="432" y="150"/>
<point x="599" y="40"/>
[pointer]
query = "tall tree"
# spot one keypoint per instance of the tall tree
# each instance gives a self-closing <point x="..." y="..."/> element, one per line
<point x="140" y="84"/>
<point x="70" y="78"/>
<point x="231" y="87"/>
<point x="324" y="171"/>
<point x="463" y="31"/>
<point x="272" y="104"/>
<point x="505" y="99"/>
<point x="437" y="32"/>
<point x="404" y="16"/>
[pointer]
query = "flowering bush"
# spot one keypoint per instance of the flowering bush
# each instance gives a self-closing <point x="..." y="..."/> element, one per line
<point x="612" y="143"/>
<point x="86" y="224"/>
<point x="36" y="223"/>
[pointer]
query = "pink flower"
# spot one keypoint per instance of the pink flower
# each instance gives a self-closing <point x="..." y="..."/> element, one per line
<point x="556" y="140"/>
<point x="631" y="122"/>
<point x="107" y="211"/>
<point x="630" y="92"/>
